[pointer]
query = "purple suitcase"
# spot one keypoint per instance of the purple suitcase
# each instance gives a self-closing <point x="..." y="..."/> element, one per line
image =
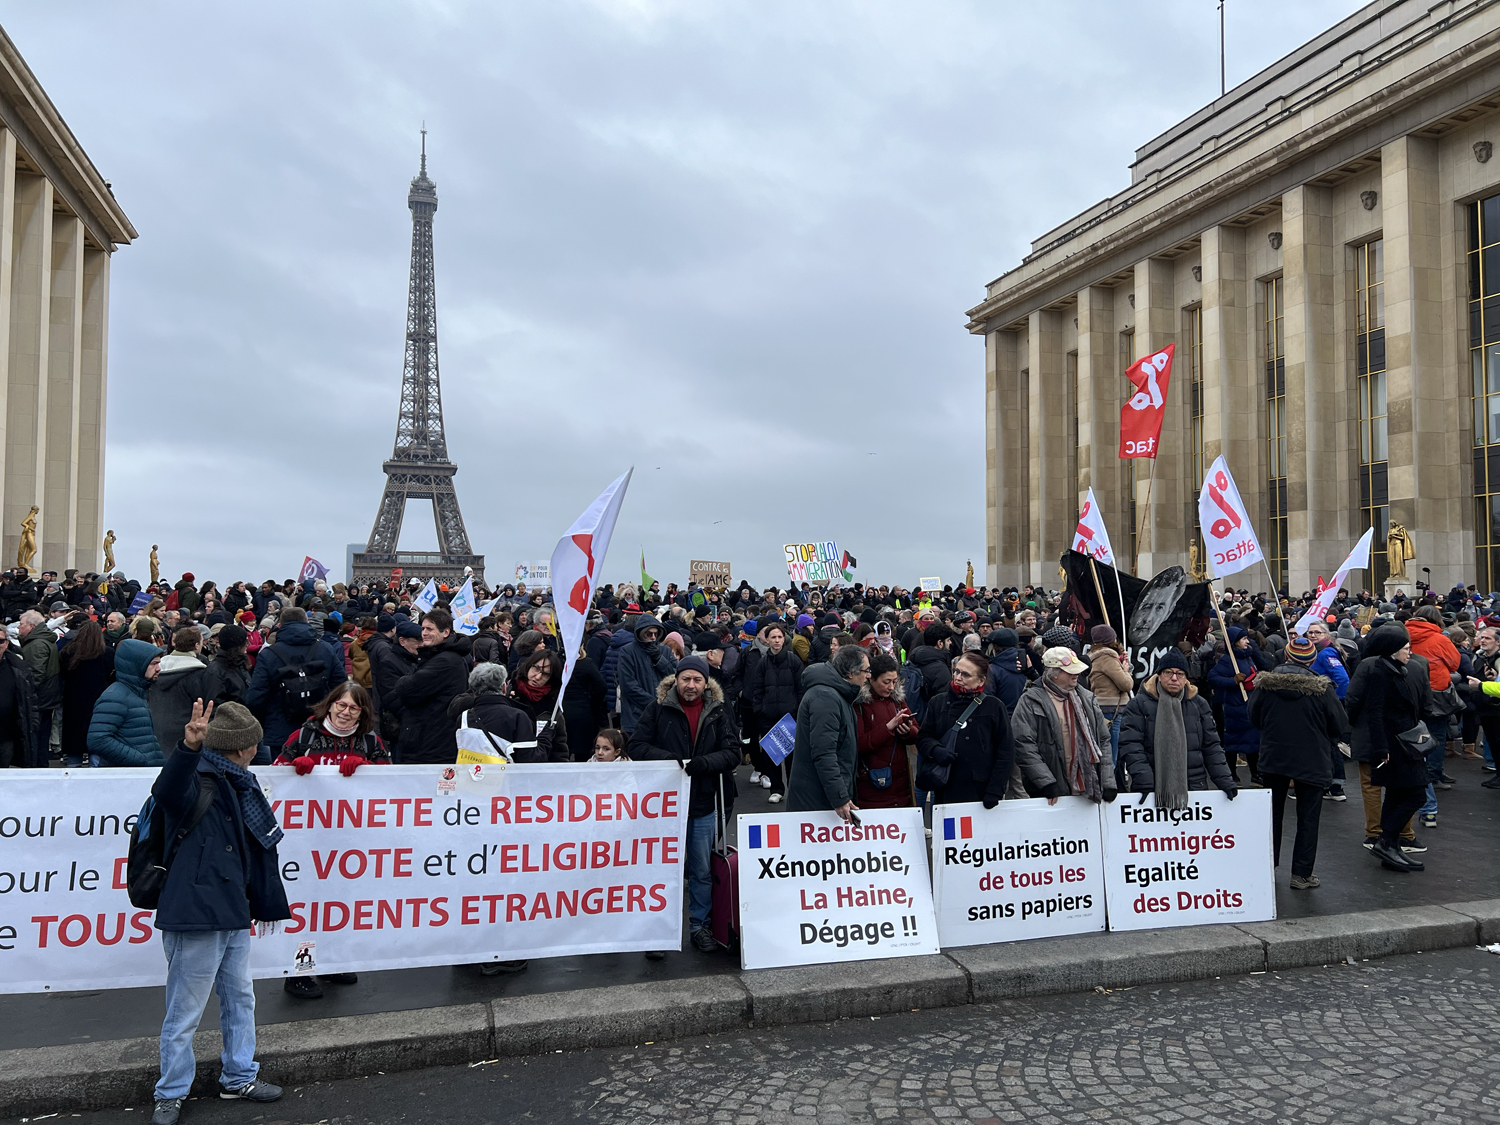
<point x="725" y="868"/>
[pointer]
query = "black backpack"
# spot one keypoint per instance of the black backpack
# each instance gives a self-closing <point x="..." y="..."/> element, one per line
<point x="914" y="683"/>
<point x="300" y="686"/>
<point x="148" y="861"/>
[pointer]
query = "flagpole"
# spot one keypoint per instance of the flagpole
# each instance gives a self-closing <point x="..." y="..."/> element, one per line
<point x="1098" y="589"/>
<point x="1275" y="597"/>
<point x="1120" y="593"/>
<point x="1228" y="646"/>
<point x="1150" y="484"/>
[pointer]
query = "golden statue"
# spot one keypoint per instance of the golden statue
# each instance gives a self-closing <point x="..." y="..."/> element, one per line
<point x="109" y="551"/>
<point x="27" y="550"/>
<point x="1195" y="564"/>
<point x="155" y="566"/>
<point x="969" y="577"/>
<point x="1398" y="549"/>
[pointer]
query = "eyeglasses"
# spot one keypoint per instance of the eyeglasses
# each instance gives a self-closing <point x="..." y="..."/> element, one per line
<point x="346" y="705"/>
<point x="964" y="674"/>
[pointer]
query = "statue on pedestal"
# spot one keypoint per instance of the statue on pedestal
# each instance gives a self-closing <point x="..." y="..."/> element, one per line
<point x="1399" y="548"/>
<point x="969" y="577"/>
<point x="26" y="552"/>
<point x="155" y="566"/>
<point x="109" y="551"/>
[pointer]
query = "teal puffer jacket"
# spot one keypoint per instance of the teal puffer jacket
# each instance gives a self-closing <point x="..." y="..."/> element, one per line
<point x="121" y="732"/>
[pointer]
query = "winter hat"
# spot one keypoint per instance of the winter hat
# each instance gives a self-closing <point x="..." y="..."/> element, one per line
<point x="187" y="576"/>
<point x="693" y="664"/>
<point x="385" y="623"/>
<point x="337" y="616"/>
<point x="232" y="636"/>
<point x="1103" y="635"/>
<point x="1005" y="638"/>
<point x="1386" y="640"/>
<point x="832" y="620"/>
<point x="1346" y="630"/>
<point x="707" y="642"/>
<point x="1171" y="659"/>
<point x="804" y="620"/>
<point x="1057" y="636"/>
<point x="406" y="627"/>
<point x="232" y="728"/>
<point x="330" y="625"/>
<point x="1302" y="650"/>
<point x="750" y="626"/>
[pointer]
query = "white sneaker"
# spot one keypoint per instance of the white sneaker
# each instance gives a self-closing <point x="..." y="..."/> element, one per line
<point x="765" y="782"/>
<point x="755" y="777"/>
<point x="774" y="798"/>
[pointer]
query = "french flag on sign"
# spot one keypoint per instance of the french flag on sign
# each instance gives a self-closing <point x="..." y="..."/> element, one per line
<point x="963" y="824"/>
<point x="772" y="836"/>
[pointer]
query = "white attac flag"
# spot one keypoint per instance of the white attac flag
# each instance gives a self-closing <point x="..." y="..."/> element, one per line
<point x="1228" y="538"/>
<point x="1359" y="559"/>
<point x="1092" y="537"/>
<point x="576" y="561"/>
<point x="428" y="597"/>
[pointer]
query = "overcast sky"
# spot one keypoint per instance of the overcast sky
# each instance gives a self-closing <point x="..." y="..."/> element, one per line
<point x="730" y="244"/>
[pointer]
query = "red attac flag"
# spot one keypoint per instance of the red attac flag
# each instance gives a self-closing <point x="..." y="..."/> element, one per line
<point x="1141" y="417"/>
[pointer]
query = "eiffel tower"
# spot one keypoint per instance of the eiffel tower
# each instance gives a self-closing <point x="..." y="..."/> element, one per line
<point x="419" y="468"/>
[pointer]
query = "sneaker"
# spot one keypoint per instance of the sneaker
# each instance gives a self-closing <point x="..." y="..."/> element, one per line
<point x="496" y="968"/>
<point x="256" y="1091"/>
<point x="167" y="1111"/>
<point x="1304" y="883"/>
<point x="1414" y="845"/>
<point x="303" y="988"/>
<point x="765" y="782"/>
<point x="775" y="798"/>
<point x="704" y="941"/>
<point x="755" y="777"/>
<point x="1335" y="793"/>
<point x="340" y="978"/>
<point x="1444" y="782"/>
<point x="1370" y="842"/>
<point x="1429" y="820"/>
<point x="1490" y="766"/>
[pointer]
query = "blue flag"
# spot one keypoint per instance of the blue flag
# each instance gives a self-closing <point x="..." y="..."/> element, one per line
<point x="779" y="740"/>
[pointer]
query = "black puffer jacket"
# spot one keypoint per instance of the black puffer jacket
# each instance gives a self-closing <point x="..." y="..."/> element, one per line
<point x="1382" y="701"/>
<point x="662" y="734"/>
<point x="499" y="715"/>
<point x="423" y="697"/>
<point x="1206" y="768"/>
<point x="1300" y="718"/>
<point x="937" y="671"/>
<point x="986" y="753"/>
<point x="774" y="685"/>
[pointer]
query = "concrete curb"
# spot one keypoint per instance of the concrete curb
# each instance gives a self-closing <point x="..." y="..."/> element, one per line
<point x="102" y="1075"/>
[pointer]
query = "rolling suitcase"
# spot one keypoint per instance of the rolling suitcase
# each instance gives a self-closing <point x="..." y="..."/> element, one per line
<point x="724" y="867"/>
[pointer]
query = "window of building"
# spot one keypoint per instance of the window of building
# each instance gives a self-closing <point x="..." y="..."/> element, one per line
<point x="1127" y="357"/>
<point x="1192" y="349"/>
<point x="1369" y="375"/>
<point x="1484" y="354"/>
<point x="1276" y="534"/>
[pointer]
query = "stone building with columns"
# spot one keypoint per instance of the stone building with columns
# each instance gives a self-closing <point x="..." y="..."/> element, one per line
<point x="1322" y="244"/>
<point x="59" y="223"/>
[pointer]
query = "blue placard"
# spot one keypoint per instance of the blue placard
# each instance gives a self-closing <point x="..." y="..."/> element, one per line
<point x="140" y="601"/>
<point x="779" y="740"/>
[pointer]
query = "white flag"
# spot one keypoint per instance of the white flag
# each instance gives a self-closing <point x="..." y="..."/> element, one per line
<point x="428" y="597"/>
<point x="1359" y="559"/>
<point x="463" y="601"/>
<point x="1092" y="537"/>
<point x="1229" y="539"/>
<point x="576" y="561"/>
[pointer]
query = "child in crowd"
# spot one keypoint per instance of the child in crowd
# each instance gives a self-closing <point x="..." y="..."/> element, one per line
<point x="609" y="746"/>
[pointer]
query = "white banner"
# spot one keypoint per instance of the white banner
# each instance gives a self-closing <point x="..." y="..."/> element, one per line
<point x="1209" y="862"/>
<point x="1025" y="869"/>
<point x="397" y="866"/>
<point x="814" y="888"/>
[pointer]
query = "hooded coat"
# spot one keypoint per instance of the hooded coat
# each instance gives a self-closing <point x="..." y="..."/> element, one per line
<point x="624" y="635"/>
<point x="121" y="731"/>
<point x="1383" y="700"/>
<point x="640" y="668"/>
<point x="1206" y="767"/>
<point x="825" y="754"/>
<point x="423" y="697"/>
<point x="1040" y="742"/>
<point x="881" y="748"/>
<point x="1007" y="678"/>
<point x="178" y="685"/>
<point x="1300" y="718"/>
<point x="1430" y="641"/>
<point x="83" y="684"/>
<point x="663" y="734"/>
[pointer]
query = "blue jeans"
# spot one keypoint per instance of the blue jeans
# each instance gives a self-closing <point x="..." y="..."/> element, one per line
<point x="199" y="962"/>
<point x="1439" y="730"/>
<point x="700" y="883"/>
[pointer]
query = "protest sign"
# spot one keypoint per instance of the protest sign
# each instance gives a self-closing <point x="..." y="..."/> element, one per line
<point x="816" y="562"/>
<point x="814" y="888"/>
<point x="932" y="585"/>
<point x="779" y="740"/>
<point x="1209" y="862"/>
<point x="140" y="602"/>
<point x="385" y="869"/>
<point x="1026" y="869"/>
<point x="710" y="575"/>
<point x="535" y="573"/>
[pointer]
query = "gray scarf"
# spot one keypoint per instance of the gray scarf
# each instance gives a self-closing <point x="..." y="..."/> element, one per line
<point x="1170" y="750"/>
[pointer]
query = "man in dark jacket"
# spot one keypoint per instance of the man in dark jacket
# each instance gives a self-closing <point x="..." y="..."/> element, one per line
<point x="640" y="668"/>
<point x="274" y="688"/>
<point x="826" y="752"/>
<point x="392" y="656"/>
<point x="39" y="650"/>
<point x="933" y="656"/>
<point x="1205" y="765"/>
<point x="227" y="677"/>
<point x="423" y="697"/>
<point x="688" y="722"/>
<point x="1301" y="723"/>
<point x="1007" y="676"/>
<point x="178" y="684"/>
<point x="20" y="740"/>
<point x="222" y="878"/>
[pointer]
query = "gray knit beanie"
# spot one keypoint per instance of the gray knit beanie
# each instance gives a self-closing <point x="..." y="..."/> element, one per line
<point x="232" y="728"/>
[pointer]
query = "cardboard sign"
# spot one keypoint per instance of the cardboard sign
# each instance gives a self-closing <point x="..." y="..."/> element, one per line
<point x="1209" y="862"/>
<point x="819" y="563"/>
<point x="1025" y="869"/>
<point x="710" y="575"/>
<point x="814" y="888"/>
<point x="932" y="585"/>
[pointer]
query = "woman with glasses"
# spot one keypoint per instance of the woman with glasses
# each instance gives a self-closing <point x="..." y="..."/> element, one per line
<point x="976" y="764"/>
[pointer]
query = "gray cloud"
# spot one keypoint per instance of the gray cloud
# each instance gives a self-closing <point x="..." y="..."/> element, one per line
<point x="731" y="240"/>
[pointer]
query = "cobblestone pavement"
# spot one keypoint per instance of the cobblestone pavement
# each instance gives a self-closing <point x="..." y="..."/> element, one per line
<point x="1405" y="1040"/>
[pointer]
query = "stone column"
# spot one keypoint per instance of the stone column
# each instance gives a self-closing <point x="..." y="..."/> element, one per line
<point x="64" y="358"/>
<point x="7" y="263"/>
<point x="1099" y="462"/>
<point x="1157" y="324"/>
<point x="1320" y="522"/>
<point x="1007" y="478"/>
<point x="1425" y="394"/>
<point x="30" y="339"/>
<point x="94" y="353"/>
<point x="1048" y="434"/>
<point x="1233" y="399"/>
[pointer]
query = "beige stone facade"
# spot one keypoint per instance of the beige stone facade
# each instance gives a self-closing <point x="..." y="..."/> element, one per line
<point x="59" y="224"/>
<point x="1314" y="242"/>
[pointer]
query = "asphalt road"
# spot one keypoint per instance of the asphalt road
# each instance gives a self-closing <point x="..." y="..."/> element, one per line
<point x="1408" y="1039"/>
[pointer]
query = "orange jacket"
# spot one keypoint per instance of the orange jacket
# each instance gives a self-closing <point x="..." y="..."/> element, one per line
<point x="1428" y="640"/>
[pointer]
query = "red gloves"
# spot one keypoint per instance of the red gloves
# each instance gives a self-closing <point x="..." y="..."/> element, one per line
<point x="350" y="763"/>
<point x="304" y="764"/>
